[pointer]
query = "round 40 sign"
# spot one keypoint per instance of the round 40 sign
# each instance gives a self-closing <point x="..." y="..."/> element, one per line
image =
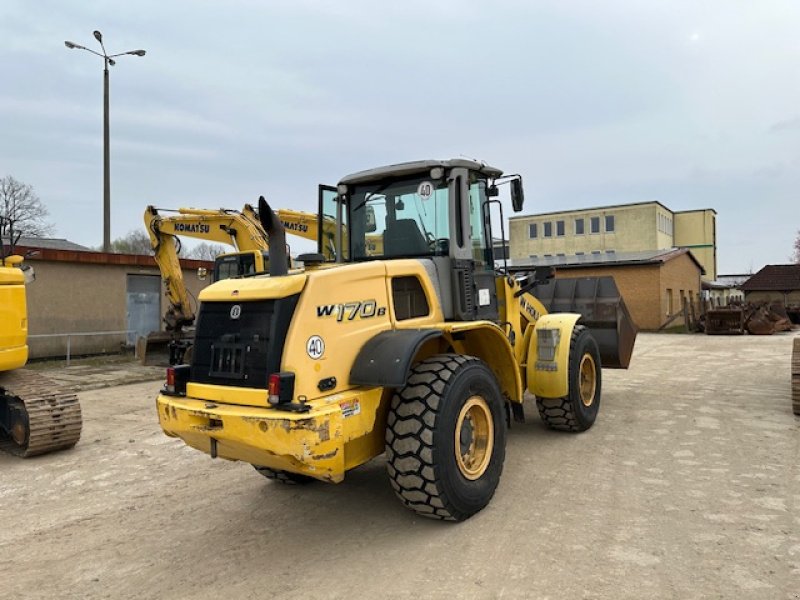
<point x="315" y="346"/>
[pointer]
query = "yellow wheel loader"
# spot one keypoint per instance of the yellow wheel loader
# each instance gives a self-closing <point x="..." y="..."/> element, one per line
<point x="399" y="336"/>
<point x="36" y="416"/>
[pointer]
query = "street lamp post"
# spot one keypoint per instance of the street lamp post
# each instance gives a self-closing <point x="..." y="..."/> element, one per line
<point x="108" y="60"/>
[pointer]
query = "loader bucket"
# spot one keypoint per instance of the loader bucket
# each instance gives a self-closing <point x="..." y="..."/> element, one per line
<point x="603" y="312"/>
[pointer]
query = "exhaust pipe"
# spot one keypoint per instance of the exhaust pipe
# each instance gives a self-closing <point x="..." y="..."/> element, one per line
<point x="278" y="260"/>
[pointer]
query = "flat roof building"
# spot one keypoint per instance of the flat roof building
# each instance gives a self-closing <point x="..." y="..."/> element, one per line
<point x="616" y="229"/>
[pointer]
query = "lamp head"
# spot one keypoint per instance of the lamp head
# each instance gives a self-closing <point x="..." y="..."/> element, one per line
<point x="98" y="36"/>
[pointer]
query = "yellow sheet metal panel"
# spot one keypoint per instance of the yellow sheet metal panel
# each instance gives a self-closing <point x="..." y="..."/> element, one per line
<point x="413" y="268"/>
<point x="548" y="376"/>
<point x="487" y="341"/>
<point x="339" y="310"/>
<point x="13" y="319"/>
<point x="254" y="288"/>
<point x="341" y="431"/>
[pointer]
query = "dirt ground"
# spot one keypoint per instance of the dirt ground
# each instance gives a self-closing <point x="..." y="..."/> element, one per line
<point x="687" y="487"/>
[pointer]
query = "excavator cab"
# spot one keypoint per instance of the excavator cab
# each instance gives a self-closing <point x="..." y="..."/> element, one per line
<point x="240" y="264"/>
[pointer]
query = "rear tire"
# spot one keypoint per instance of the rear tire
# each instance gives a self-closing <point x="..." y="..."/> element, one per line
<point x="284" y="477"/>
<point x="577" y="411"/>
<point x="445" y="439"/>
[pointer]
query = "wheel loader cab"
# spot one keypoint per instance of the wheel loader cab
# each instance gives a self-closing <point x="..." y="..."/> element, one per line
<point x="433" y="211"/>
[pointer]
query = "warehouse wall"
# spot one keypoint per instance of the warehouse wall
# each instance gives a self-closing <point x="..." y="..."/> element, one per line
<point x="78" y="296"/>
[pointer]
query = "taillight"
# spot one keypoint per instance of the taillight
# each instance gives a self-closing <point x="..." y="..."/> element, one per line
<point x="170" y="387"/>
<point x="274" y="388"/>
<point x="177" y="378"/>
<point x="281" y="388"/>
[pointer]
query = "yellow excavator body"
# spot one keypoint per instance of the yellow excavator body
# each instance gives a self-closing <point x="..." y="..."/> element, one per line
<point x="36" y="415"/>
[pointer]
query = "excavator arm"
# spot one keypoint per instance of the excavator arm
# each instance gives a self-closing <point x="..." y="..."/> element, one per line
<point x="238" y="229"/>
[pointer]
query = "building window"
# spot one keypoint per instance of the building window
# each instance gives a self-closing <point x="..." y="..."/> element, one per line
<point x="594" y="223"/>
<point x="578" y="226"/>
<point x="670" y="303"/>
<point x="560" y="228"/>
<point x="610" y="251"/>
<point x="548" y="256"/>
<point x="610" y="223"/>
<point x="532" y="231"/>
<point x="560" y="254"/>
<point x="596" y="252"/>
<point x="534" y="256"/>
<point x="579" y="254"/>
<point x="548" y="229"/>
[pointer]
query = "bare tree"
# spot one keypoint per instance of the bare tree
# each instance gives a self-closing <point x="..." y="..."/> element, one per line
<point x="206" y="251"/>
<point x="796" y="256"/>
<point x="135" y="242"/>
<point x="21" y="212"/>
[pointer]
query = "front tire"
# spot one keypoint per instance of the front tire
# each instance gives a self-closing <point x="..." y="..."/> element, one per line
<point x="577" y="411"/>
<point x="445" y="439"/>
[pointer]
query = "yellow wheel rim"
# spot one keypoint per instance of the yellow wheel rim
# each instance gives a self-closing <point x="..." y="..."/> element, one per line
<point x="588" y="379"/>
<point x="474" y="437"/>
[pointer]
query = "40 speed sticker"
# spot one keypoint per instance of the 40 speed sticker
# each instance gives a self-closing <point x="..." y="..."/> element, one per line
<point x="315" y="347"/>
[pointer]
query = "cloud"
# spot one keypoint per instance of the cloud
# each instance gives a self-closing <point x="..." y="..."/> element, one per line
<point x="792" y="124"/>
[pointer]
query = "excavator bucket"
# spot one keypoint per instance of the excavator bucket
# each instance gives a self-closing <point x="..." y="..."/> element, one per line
<point x="603" y="310"/>
<point x="164" y="348"/>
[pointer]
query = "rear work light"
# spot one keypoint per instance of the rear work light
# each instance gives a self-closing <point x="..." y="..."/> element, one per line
<point x="177" y="378"/>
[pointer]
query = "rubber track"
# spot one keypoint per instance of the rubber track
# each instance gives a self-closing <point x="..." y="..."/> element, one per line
<point x="796" y="377"/>
<point x="54" y="414"/>
<point x="557" y="413"/>
<point x="409" y="436"/>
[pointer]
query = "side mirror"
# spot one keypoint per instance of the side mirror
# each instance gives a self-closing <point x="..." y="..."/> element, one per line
<point x="517" y="195"/>
<point x="27" y="272"/>
<point x="371" y="225"/>
<point x="202" y="273"/>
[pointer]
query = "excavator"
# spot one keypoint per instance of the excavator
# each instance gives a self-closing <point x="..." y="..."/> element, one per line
<point x="36" y="415"/>
<point x="419" y="347"/>
<point x="240" y="229"/>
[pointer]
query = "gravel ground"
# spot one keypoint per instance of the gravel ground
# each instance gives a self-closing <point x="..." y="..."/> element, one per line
<point x="687" y="487"/>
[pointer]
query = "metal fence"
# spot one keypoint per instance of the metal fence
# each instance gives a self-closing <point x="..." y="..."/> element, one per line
<point x="69" y="336"/>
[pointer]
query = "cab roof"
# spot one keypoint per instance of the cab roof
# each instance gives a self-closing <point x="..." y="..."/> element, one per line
<point x="417" y="166"/>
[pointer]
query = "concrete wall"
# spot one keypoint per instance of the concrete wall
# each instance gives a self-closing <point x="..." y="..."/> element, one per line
<point x="638" y="227"/>
<point x="634" y="230"/>
<point x="696" y="230"/>
<point x="644" y="287"/>
<point x="85" y="295"/>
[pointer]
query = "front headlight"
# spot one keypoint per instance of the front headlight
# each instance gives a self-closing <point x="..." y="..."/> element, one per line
<point x="547" y="343"/>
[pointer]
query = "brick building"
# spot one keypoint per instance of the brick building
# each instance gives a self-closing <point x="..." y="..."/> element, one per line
<point x="774" y="283"/>
<point x="653" y="284"/>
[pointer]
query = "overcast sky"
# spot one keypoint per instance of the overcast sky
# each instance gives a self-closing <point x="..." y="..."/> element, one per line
<point x="694" y="104"/>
